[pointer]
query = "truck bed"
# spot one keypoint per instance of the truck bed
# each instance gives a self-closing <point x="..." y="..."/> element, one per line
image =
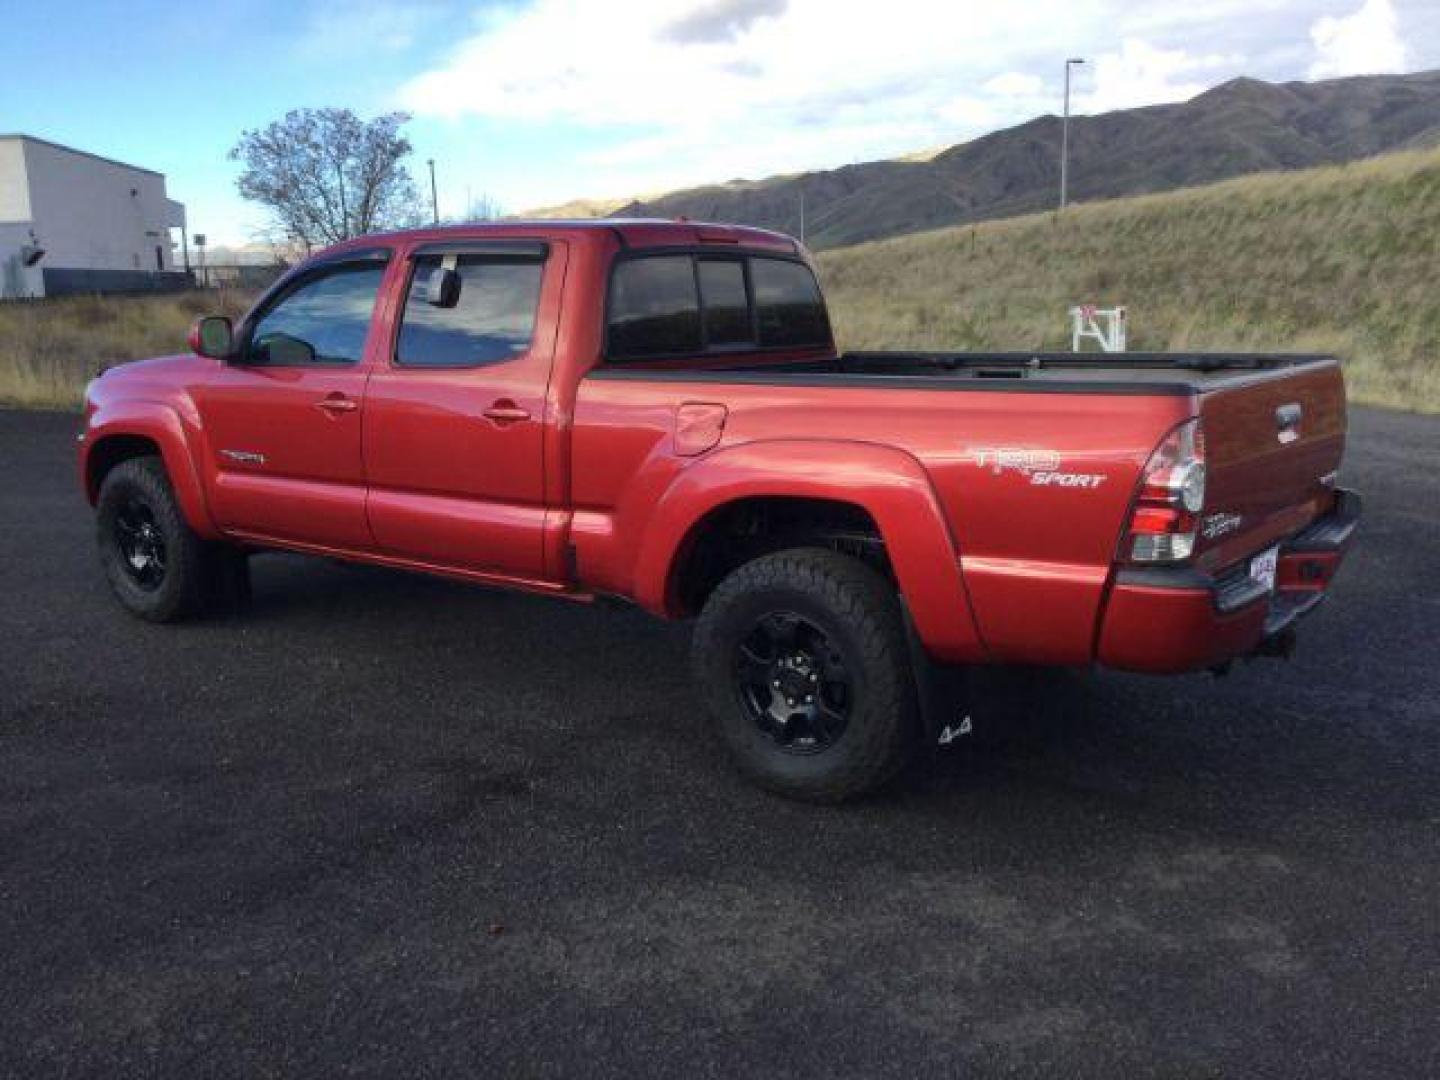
<point x="1273" y="429"/>
<point x="1040" y="372"/>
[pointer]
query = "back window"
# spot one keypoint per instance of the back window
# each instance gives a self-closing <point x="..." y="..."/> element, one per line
<point x="653" y="307"/>
<point x="788" y="303"/>
<point x="492" y="319"/>
<point x="687" y="305"/>
<point x="725" y="302"/>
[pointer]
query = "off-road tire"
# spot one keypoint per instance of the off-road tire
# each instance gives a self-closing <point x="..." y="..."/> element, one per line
<point x="187" y="581"/>
<point x="859" y="611"/>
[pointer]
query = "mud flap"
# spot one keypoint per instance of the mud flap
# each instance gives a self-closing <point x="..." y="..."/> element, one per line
<point x="942" y="692"/>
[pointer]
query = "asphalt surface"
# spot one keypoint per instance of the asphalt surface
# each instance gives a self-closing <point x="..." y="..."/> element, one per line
<point x="385" y="825"/>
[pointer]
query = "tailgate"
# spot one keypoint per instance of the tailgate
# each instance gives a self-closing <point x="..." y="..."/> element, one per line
<point x="1273" y="443"/>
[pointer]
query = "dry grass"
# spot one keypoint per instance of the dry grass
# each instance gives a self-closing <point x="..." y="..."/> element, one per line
<point x="49" y="349"/>
<point x="1344" y="259"/>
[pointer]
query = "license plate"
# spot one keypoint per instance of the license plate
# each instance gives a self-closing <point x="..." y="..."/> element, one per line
<point x="1262" y="567"/>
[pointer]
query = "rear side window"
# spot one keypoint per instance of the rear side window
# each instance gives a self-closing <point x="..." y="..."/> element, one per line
<point x="788" y="304"/>
<point x="491" y="319"/>
<point x="653" y="307"/>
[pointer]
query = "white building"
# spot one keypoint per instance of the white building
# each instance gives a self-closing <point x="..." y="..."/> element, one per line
<point x="74" y="222"/>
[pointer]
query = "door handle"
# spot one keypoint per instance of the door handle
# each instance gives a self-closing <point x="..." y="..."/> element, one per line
<point x="506" y="412"/>
<point x="337" y="403"/>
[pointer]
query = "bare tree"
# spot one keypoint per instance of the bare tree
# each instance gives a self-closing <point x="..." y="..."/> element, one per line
<point x="483" y="207"/>
<point x="326" y="175"/>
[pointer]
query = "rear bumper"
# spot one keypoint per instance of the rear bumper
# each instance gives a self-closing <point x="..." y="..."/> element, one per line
<point x="1181" y="619"/>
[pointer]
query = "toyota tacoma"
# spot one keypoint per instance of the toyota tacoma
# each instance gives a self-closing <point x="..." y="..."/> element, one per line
<point x="657" y="411"/>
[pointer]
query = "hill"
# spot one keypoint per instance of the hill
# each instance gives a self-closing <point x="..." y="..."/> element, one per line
<point x="1341" y="259"/>
<point x="577" y="208"/>
<point x="1240" y="127"/>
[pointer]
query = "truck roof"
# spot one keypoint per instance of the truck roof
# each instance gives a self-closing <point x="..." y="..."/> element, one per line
<point x="630" y="232"/>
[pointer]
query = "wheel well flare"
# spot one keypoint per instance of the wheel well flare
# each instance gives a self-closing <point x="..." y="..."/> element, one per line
<point x="110" y="451"/>
<point x="736" y="533"/>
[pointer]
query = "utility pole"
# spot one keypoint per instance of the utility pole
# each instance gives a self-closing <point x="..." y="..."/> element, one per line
<point x="344" y="214"/>
<point x="434" y="197"/>
<point x="1065" y="132"/>
<point x="200" y="252"/>
<point x="802" y="215"/>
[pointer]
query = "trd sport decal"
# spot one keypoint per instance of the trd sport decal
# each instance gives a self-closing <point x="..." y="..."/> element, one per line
<point x="1043" y="467"/>
<point x="244" y="457"/>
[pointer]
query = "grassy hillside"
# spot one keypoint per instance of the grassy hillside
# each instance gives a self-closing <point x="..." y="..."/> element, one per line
<point x="49" y="349"/>
<point x="1342" y="259"/>
<point x="1240" y="127"/>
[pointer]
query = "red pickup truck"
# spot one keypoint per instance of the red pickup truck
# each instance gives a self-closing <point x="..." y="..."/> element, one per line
<point x="657" y="411"/>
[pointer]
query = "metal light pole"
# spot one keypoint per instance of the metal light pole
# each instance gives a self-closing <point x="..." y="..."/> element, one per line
<point x="434" y="197"/>
<point x="1065" y="132"/>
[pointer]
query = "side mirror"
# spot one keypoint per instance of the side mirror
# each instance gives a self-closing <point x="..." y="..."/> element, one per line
<point x="211" y="335"/>
<point x="442" y="289"/>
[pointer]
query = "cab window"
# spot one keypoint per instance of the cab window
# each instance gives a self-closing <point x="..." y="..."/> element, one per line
<point x="725" y="303"/>
<point x="788" y="304"/>
<point x="487" y="316"/>
<point x="322" y="321"/>
<point x="654" y="309"/>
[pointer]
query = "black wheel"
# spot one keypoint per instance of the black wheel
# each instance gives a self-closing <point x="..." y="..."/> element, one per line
<point x="802" y="659"/>
<point x="157" y="566"/>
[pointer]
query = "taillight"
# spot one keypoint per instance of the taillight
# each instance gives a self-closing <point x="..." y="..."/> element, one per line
<point x="1170" y="498"/>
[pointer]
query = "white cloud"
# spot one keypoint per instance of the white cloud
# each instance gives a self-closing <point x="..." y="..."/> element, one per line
<point x="1141" y="74"/>
<point x="1015" y="84"/>
<point x="1362" y="43"/>
<point x="695" y="65"/>
<point x="719" y="20"/>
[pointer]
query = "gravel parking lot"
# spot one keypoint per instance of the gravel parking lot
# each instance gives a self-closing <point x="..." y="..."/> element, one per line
<point x="393" y="826"/>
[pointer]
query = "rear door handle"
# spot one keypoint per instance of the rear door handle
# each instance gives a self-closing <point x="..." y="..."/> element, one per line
<point x="337" y="403"/>
<point x="506" y="412"/>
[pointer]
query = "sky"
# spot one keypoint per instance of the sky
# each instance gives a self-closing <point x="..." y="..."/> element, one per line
<point x="535" y="102"/>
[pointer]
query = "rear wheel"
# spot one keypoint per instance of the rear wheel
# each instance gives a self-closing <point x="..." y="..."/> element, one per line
<point x="157" y="566"/>
<point x="802" y="658"/>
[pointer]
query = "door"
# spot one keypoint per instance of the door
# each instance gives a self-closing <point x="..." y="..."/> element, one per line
<point x="283" y="418"/>
<point x="455" y="415"/>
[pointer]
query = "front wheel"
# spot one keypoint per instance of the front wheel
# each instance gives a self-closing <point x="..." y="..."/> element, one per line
<point x="158" y="568"/>
<point x="802" y="658"/>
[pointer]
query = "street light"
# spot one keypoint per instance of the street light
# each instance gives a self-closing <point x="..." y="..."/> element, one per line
<point x="1065" y="131"/>
<point x="434" y="198"/>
